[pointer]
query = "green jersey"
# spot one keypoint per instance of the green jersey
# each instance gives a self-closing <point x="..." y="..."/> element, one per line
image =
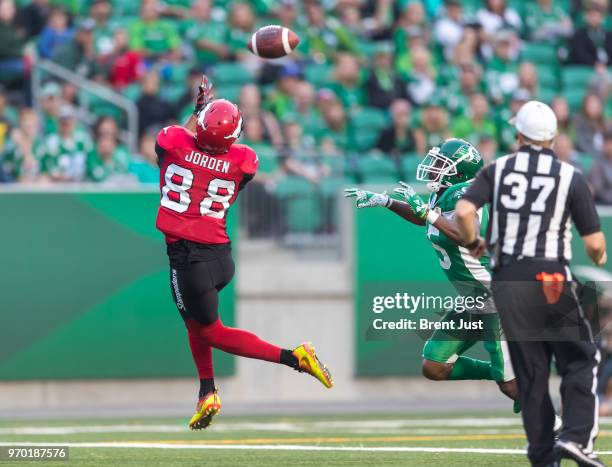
<point x="65" y="158"/>
<point x="469" y="275"/>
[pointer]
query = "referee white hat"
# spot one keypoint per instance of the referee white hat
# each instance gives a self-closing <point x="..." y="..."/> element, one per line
<point x="536" y="121"/>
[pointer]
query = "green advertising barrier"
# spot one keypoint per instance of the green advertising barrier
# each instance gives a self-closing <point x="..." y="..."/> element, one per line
<point x="392" y="255"/>
<point x="85" y="290"/>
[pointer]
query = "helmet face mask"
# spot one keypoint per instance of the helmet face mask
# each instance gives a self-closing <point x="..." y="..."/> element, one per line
<point x="455" y="161"/>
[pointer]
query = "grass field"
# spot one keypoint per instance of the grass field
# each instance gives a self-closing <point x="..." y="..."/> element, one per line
<point x="400" y="439"/>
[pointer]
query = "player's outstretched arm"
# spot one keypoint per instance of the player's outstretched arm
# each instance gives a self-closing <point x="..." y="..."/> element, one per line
<point x="368" y="199"/>
<point x="204" y="96"/>
<point x="420" y="212"/>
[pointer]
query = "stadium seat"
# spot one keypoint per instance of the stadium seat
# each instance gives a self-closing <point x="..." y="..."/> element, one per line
<point x="179" y="72"/>
<point x="576" y="75"/>
<point x="548" y="75"/>
<point x="121" y="8"/>
<point x="132" y="91"/>
<point x="547" y="94"/>
<point x="300" y="204"/>
<point x="586" y="161"/>
<point x="574" y="96"/>
<point x="408" y="165"/>
<point x="172" y="92"/>
<point x="538" y="53"/>
<point x="231" y="92"/>
<point x="471" y="6"/>
<point x="231" y="74"/>
<point x="518" y="5"/>
<point x="337" y="165"/>
<point x="377" y="169"/>
<point x="318" y="75"/>
<point x="268" y="158"/>
<point x="100" y="107"/>
<point x="367" y="123"/>
<point x="369" y="119"/>
<point x="365" y="140"/>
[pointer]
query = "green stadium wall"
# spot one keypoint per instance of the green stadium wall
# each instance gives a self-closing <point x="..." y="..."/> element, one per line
<point x="85" y="290"/>
<point x="390" y="253"/>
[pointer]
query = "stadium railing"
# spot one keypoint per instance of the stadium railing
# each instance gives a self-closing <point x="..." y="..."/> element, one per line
<point x="44" y="68"/>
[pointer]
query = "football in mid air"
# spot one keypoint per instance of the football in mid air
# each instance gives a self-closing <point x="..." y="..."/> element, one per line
<point x="273" y="41"/>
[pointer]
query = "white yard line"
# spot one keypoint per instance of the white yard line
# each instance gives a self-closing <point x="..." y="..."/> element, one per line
<point x="349" y="426"/>
<point x="273" y="447"/>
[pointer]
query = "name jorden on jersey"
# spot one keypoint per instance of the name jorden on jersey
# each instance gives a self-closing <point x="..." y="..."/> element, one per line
<point x="208" y="162"/>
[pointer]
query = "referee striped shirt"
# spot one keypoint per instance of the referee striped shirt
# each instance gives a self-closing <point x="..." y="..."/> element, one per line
<point x="534" y="198"/>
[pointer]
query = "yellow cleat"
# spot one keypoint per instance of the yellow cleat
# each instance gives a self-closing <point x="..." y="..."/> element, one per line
<point x="309" y="363"/>
<point x="208" y="406"/>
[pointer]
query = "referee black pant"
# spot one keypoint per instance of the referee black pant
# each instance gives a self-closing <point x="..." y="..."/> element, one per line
<point x="542" y="318"/>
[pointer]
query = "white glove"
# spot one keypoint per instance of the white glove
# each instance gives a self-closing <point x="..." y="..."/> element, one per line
<point x="367" y="199"/>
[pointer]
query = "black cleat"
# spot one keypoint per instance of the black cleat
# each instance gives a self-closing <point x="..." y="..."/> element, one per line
<point x="574" y="451"/>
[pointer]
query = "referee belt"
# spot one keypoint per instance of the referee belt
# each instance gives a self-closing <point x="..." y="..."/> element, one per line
<point x="507" y="260"/>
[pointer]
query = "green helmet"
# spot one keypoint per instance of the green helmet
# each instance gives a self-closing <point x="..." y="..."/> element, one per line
<point x="454" y="161"/>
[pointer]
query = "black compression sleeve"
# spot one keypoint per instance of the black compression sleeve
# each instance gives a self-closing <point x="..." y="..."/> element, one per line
<point x="246" y="179"/>
<point x="582" y="206"/>
<point x="161" y="153"/>
<point x="480" y="191"/>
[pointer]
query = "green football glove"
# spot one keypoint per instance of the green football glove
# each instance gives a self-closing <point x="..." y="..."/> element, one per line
<point x="367" y="199"/>
<point x="420" y="208"/>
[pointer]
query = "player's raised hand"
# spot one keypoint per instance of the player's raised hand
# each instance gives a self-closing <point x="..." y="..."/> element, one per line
<point x="413" y="200"/>
<point x="205" y="94"/>
<point x="367" y="199"/>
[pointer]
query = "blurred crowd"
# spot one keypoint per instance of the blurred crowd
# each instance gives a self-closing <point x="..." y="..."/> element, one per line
<point x="372" y="85"/>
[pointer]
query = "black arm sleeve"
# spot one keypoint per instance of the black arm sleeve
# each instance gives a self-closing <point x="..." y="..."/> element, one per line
<point x="481" y="190"/>
<point x="246" y="179"/>
<point x="161" y="153"/>
<point x="582" y="206"/>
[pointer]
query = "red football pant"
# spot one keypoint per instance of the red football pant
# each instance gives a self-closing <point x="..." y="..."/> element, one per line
<point x="231" y="340"/>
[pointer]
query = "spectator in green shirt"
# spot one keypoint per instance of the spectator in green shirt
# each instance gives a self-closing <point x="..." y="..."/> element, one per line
<point x="50" y="104"/>
<point x="152" y="36"/>
<point x="63" y="155"/>
<point x="434" y="122"/>
<point x="545" y="21"/>
<point x="347" y="84"/>
<point x="476" y="123"/>
<point x="304" y="109"/>
<point x="144" y="166"/>
<point x="422" y="78"/>
<point x="506" y="133"/>
<point x="8" y="113"/>
<point x="280" y="100"/>
<point x="325" y="34"/>
<point x="287" y="13"/>
<point x="79" y="54"/>
<point x="458" y="91"/>
<point x="106" y="160"/>
<point x="12" y="41"/>
<point x="101" y="12"/>
<point x="502" y="69"/>
<point x="335" y="137"/>
<point x="205" y="34"/>
<point x="18" y="158"/>
<point x="241" y="26"/>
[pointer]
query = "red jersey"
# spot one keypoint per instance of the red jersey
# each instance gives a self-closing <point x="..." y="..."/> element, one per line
<point x="197" y="188"/>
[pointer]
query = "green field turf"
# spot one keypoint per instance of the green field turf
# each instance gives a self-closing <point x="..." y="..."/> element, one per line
<point x="289" y="441"/>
